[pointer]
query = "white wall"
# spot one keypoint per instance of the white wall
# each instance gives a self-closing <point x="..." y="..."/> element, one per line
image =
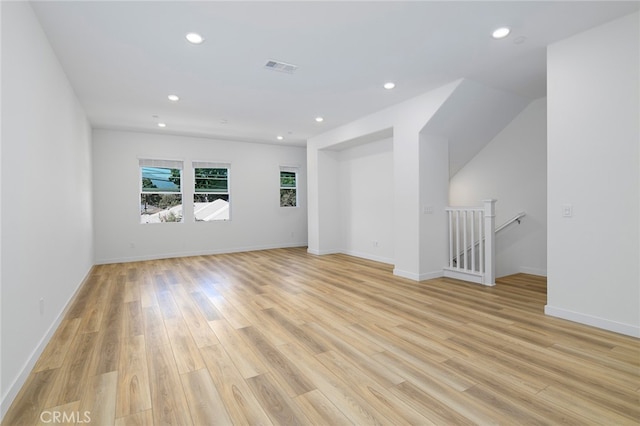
<point x="2" y="392"/>
<point x="365" y="176"/>
<point x="429" y="132"/>
<point x="324" y="232"/>
<point x="593" y="165"/>
<point x="46" y="194"/>
<point x="257" y="220"/>
<point x="434" y="197"/>
<point x="512" y="168"/>
<point x="404" y="121"/>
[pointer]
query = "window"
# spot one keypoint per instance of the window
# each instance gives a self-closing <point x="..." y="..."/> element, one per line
<point x="288" y="186"/>
<point x="211" y="191"/>
<point x="160" y="191"/>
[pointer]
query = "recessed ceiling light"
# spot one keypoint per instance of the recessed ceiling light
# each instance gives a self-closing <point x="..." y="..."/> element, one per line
<point x="173" y="98"/>
<point x="390" y="85"/>
<point x="319" y="119"/>
<point x="280" y="137"/>
<point x="162" y="125"/>
<point x="194" y="38"/>
<point x="501" y="32"/>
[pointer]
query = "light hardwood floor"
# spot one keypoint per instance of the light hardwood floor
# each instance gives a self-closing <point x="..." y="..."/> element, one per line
<point x="284" y="337"/>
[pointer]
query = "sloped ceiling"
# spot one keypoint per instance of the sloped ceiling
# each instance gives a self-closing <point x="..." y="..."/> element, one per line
<point x="471" y="117"/>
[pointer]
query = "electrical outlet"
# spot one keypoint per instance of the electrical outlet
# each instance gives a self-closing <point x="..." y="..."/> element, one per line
<point x="42" y="306"/>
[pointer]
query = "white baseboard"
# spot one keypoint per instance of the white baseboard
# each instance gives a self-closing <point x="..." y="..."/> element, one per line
<point x="605" y="324"/>
<point x="463" y="275"/>
<point x="418" y="277"/>
<point x="196" y="253"/>
<point x="14" y="388"/>
<point x="368" y="256"/>
<point x="322" y="252"/>
<point x="352" y="253"/>
<point x="533" y="271"/>
<point x="406" y="274"/>
<point x="398" y="272"/>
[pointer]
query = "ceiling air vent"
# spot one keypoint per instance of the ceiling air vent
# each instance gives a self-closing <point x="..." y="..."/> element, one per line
<point x="280" y="66"/>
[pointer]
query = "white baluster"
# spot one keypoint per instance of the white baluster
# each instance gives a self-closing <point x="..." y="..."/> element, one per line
<point x="481" y="242"/>
<point x="450" y="222"/>
<point x="489" y="238"/>
<point x="473" y="244"/>
<point x="464" y="237"/>
<point x="458" y="239"/>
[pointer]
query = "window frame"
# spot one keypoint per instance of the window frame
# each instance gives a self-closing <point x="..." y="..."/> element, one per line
<point x="289" y="169"/>
<point x="146" y="163"/>
<point x="212" y="165"/>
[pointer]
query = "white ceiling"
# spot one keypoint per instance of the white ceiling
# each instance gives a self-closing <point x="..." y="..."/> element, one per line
<point x="124" y="58"/>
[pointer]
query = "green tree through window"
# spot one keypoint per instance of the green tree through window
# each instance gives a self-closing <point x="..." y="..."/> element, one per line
<point x="288" y="188"/>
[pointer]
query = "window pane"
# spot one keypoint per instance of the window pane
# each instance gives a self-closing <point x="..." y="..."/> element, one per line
<point x="160" y="179"/>
<point x="288" y="198"/>
<point x="287" y="179"/>
<point x="157" y="208"/>
<point x="211" y="185"/>
<point x="208" y="207"/>
<point x="211" y="180"/>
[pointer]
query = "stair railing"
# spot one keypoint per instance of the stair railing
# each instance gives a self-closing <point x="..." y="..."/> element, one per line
<point x="468" y="225"/>
<point x="516" y="218"/>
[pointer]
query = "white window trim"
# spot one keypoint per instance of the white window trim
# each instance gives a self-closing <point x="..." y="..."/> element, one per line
<point x="290" y="169"/>
<point x="212" y="165"/>
<point x="167" y="164"/>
